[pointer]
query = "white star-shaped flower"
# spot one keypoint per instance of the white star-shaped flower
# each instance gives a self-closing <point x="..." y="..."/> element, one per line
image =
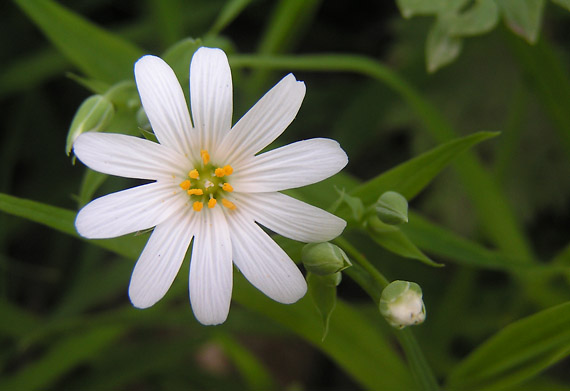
<point x="209" y="184"/>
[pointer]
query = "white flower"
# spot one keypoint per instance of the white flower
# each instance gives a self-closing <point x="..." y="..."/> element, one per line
<point x="209" y="184"/>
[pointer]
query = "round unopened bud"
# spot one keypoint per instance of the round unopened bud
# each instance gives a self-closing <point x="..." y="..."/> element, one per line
<point x="324" y="258"/>
<point x="94" y="114"/>
<point x="392" y="208"/>
<point x="401" y="304"/>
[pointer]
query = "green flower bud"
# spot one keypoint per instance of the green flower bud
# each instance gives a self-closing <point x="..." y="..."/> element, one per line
<point x="94" y="114"/>
<point x="392" y="208"/>
<point x="401" y="304"/>
<point x="324" y="258"/>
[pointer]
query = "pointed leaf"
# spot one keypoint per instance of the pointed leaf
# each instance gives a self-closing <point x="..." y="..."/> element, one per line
<point x="98" y="53"/>
<point x="441" y="47"/>
<point x="411" y="177"/>
<point x="524" y="17"/>
<point x="480" y="18"/>
<point x="394" y="240"/>
<point x="516" y="353"/>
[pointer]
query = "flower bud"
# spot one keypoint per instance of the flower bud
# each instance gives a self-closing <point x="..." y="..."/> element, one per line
<point x="94" y="114"/>
<point x="392" y="208"/>
<point x="401" y="304"/>
<point x="324" y="258"/>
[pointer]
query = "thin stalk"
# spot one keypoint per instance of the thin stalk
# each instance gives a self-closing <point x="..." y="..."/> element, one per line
<point x="493" y="208"/>
<point x="419" y="366"/>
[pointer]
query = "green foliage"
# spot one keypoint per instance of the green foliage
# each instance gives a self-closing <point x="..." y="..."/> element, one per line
<point x="461" y="18"/>
<point x="100" y="55"/>
<point x="517" y="352"/>
<point x="496" y="218"/>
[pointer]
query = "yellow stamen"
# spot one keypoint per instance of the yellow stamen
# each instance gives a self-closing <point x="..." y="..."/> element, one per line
<point x="195" y="192"/>
<point x="212" y="203"/>
<point x="228" y="170"/>
<point x="227" y="187"/>
<point x="185" y="185"/>
<point x="197" y="206"/>
<point x="194" y="174"/>
<point x="219" y="172"/>
<point x="205" y="156"/>
<point x="228" y="204"/>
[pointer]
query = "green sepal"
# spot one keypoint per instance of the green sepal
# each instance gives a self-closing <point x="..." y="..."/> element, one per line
<point x="94" y="114"/>
<point x="323" y="293"/>
<point x="392" y="208"/>
<point x="324" y="258"/>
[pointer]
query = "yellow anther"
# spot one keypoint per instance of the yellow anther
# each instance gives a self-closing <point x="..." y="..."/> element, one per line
<point x="197" y="206"/>
<point x="185" y="185"/>
<point x="205" y="156"/>
<point x="228" y="204"/>
<point x="195" y="192"/>
<point x="212" y="203"/>
<point x="219" y="172"/>
<point x="227" y="187"/>
<point x="194" y="174"/>
<point x="228" y="170"/>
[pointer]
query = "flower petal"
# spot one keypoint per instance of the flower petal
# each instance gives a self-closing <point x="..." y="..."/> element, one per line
<point x="127" y="211"/>
<point x="211" y="268"/>
<point x="128" y="156"/>
<point x="263" y="262"/>
<point x="265" y="121"/>
<point x="291" y="218"/>
<point x="164" y="103"/>
<point x="211" y="96"/>
<point x="160" y="260"/>
<point x="294" y="165"/>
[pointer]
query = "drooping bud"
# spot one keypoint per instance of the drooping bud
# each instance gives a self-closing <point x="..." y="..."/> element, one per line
<point x="401" y="304"/>
<point x="94" y="114"/>
<point x="392" y="208"/>
<point x="324" y="258"/>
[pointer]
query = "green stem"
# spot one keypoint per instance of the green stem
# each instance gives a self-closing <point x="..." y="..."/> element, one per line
<point x="362" y="261"/>
<point x="419" y="366"/>
<point x="495" y="212"/>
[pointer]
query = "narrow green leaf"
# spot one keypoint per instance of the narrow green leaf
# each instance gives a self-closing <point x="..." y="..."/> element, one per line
<point x="63" y="356"/>
<point x="410" y="177"/>
<point x="352" y="340"/>
<point x="63" y="220"/>
<point x="516" y="353"/>
<point x="440" y="241"/>
<point x="441" y="47"/>
<point x="394" y="240"/>
<point x="98" y="53"/>
<point x="480" y="18"/>
<point x="493" y="208"/>
<point x="523" y="17"/>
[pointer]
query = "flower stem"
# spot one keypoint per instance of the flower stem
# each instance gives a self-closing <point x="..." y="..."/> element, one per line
<point x="373" y="282"/>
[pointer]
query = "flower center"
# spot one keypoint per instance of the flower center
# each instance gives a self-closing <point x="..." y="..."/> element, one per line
<point x="207" y="184"/>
